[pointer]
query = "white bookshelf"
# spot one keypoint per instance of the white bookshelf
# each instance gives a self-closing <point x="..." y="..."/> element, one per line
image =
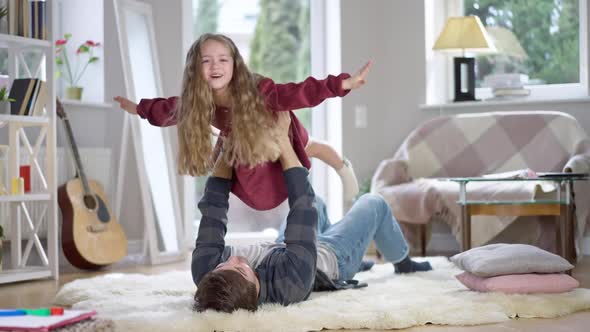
<point x="32" y="135"/>
<point x="29" y="273"/>
<point x="28" y="197"/>
<point x="24" y="121"/>
<point x="10" y="41"/>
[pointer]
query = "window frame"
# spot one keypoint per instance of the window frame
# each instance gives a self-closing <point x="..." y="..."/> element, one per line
<point x="326" y="118"/>
<point x="440" y="79"/>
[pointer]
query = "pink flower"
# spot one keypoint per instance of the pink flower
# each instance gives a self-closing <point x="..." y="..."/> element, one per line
<point x="71" y="69"/>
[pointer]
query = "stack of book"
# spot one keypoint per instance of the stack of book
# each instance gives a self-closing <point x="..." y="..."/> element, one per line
<point x="27" y="18"/>
<point x="511" y="92"/>
<point x="507" y="85"/>
<point x="30" y="95"/>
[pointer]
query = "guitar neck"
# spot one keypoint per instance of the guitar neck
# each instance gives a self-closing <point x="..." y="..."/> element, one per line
<point x="77" y="159"/>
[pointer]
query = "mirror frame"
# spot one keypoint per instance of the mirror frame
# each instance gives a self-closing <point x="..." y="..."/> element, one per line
<point x="151" y="228"/>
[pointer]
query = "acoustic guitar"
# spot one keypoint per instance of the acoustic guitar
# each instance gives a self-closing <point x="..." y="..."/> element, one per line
<point x="91" y="236"/>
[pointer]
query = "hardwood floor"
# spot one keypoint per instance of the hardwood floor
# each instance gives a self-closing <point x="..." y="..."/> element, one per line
<point x="40" y="293"/>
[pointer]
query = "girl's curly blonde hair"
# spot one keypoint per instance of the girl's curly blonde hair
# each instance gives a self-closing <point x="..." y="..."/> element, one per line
<point x="251" y="140"/>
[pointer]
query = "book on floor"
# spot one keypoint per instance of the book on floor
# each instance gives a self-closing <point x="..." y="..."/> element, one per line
<point x="43" y="323"/>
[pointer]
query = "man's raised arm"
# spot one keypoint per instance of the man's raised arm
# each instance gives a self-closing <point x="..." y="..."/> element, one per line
<point x="295" y="267"/>
<point x="210" y="242"/>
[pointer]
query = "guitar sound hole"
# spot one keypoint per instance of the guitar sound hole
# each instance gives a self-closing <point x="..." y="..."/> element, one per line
<point x="90" y="202"/>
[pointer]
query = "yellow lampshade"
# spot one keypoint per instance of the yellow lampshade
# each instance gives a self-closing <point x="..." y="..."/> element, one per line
<point x="506" y="42"/>
<point x="464" y="33"/>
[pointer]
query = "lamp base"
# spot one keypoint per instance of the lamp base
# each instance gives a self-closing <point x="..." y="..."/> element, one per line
<point x="465" y="99"/>
<point x="464" y="79"/>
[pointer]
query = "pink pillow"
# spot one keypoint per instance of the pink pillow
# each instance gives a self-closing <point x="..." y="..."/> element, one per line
<point x="520" y="283"/>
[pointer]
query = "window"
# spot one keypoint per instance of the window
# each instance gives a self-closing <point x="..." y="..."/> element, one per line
<point x="539" y="39"/>
<point x="544" y="41"/>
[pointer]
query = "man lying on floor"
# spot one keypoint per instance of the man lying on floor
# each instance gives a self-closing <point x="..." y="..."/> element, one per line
<point x="230" y="278"/>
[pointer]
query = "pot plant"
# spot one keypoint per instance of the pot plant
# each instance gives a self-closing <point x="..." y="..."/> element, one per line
<point x="3" y="19"/>
<point x="5" y="101"/>
<point x="70" y="68"/>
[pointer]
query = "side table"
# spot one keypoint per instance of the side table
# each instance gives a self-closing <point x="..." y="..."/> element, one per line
<point x="561" y="207"/>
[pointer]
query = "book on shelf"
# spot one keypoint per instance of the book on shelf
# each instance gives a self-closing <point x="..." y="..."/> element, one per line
<point x="18" y="17"/>
<point x="38" y="19"/>
<point x="30" y="95"/>
<point x="20" y="91"/>
<point x="27" y="18"/>
<point x="39" y="99"/>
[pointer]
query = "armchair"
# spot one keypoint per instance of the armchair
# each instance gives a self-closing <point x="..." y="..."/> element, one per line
<point x="469" y="145"/>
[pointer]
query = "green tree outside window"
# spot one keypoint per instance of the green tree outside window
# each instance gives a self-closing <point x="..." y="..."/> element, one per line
<point x="280" y="47"/>
<point x="548" y="31"/>
<point x="206" y="17"/>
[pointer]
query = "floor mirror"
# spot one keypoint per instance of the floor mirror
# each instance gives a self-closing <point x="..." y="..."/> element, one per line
<point x="156" y="168"/>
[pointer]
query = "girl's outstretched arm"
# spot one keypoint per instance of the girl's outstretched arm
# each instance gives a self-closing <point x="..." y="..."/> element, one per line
<point x="158" y="111"/>
<point x="311" y="92"/>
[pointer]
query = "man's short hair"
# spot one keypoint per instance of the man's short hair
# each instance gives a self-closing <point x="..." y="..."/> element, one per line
<point x="227" y="291"/>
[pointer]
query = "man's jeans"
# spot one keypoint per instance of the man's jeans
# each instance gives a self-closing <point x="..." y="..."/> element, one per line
<point x="369" y="219"/>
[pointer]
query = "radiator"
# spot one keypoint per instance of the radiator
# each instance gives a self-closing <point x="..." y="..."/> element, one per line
<point x="96" y="163"/>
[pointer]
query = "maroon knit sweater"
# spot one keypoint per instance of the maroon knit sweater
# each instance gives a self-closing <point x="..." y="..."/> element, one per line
<point x="261" y="187"/>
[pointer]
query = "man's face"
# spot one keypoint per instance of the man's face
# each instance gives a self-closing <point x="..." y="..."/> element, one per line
<point x="240" y="265"/>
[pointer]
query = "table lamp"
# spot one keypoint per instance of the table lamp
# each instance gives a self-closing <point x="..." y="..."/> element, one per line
<point x="464" y="33"/>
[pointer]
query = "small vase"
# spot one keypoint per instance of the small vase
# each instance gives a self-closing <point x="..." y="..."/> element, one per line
<point x="5" y="107"/>
<point x="74" y="92"/>
<point x="4" y="25"/>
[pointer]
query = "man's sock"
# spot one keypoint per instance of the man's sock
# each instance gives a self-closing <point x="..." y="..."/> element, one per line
<point x="407" y="265"/>
<point x="350" y="185"/>
<point x="366" y="265"/>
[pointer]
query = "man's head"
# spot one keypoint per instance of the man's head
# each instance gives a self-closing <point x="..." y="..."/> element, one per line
<point x="230" y="286"/>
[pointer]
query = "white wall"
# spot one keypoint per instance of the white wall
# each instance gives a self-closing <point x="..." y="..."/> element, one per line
<point x="392" y="34"/>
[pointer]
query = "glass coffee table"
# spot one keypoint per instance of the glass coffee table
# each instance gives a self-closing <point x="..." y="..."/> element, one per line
<point x="561" y="207"/>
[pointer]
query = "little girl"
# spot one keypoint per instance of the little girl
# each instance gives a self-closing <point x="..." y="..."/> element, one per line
<point x="219" y="90"/>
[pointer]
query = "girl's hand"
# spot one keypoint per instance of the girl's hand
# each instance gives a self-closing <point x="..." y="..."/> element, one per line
<point x="126" y="104"/>
<point x="358" y="79"/>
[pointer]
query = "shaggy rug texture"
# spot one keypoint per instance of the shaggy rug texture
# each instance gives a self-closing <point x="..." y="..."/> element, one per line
<point x="164" y="303"/>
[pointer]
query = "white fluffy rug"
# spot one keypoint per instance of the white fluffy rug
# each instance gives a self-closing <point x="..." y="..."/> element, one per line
<point x="163" y="303"/>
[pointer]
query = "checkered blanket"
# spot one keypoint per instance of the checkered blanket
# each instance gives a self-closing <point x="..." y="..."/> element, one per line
<point x="469" y="145"/>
